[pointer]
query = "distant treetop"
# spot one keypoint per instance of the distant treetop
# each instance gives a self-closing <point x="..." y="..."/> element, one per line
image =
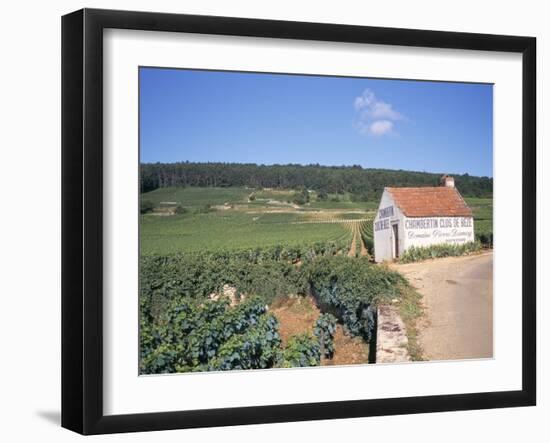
<point x="356" y="180"/>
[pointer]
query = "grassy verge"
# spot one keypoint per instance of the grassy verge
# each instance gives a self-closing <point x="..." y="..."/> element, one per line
<point x="410" y="309"/>
<point x="417" y="253"/>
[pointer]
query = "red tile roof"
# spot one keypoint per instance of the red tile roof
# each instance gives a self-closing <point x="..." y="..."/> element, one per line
<point x="430" y="202"/>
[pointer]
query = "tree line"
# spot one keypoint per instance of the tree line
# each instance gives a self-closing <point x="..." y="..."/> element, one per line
<point x="365" y="184"/>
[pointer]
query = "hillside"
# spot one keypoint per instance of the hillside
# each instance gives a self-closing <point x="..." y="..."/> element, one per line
<point x="363" y="184"/>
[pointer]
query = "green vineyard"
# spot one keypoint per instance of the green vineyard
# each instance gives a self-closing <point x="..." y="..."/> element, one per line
<point x="215" y="261"/>
<point x="234" y="230"/>
<point x="187" y="325"/>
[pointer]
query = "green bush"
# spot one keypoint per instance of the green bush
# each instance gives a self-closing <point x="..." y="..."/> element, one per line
<point x="146" y="206"/>
<point x="351" y="288"/>
<point x="192" y="335"/>
<point x="359" y="197"/>
<point x="181" y="210"/>
<point x="301" y="350"/>
<point x="257" y="348"/>
<point x="184" y="328"/>
<point x="322" y="196"/>
<point x="418" y="253"/>
<point x="266" y="271"/>
<point x="324" y="330"/>
<point x="165" y="345"/>
<point x="301" y="197"/>
<point x="485" y="238"/>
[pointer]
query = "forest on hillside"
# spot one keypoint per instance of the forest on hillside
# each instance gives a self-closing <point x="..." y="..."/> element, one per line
<point x="364" y="184"/>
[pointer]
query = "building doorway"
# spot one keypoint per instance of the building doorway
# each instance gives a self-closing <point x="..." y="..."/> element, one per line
<point x="395" y="241"/>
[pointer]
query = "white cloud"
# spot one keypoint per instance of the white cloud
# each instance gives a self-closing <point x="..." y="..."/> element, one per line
<point x="364" y="100"/>
<point x="374" y="116"/>
<point x="381" y="127"/>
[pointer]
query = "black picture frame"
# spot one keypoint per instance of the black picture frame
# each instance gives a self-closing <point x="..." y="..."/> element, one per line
<point x="82" y="218"/>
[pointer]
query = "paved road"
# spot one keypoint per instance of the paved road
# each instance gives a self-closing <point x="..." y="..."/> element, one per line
<point x="458" y="301"/>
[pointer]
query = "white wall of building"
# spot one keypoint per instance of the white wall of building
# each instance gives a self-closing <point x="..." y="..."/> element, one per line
<point x="387" y="215"/>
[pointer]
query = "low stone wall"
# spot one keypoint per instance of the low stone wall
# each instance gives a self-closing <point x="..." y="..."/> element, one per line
<point x="391" y="336"/>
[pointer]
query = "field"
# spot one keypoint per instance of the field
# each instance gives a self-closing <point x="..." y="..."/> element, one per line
<point x="196" y="197"/>
<point x="226" y="219"/>
<point x="483" y="218"/>
<point x="233" y="230"/>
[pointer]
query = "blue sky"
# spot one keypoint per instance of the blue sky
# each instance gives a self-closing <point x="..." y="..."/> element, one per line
<point x="208" y="116"/>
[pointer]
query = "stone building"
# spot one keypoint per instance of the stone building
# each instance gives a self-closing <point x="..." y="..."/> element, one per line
<point x="420" y="217"/>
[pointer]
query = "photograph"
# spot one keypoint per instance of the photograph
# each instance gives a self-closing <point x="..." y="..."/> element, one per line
<point x="294" y="220"/>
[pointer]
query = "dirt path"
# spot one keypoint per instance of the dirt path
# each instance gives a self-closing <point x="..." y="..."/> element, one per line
<point x="297" y="315"/>
<point x="364" y="250"/>
<point x="352" y="251"/>
<point x="458" y="301"/>
<point x="356" y="231"/>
